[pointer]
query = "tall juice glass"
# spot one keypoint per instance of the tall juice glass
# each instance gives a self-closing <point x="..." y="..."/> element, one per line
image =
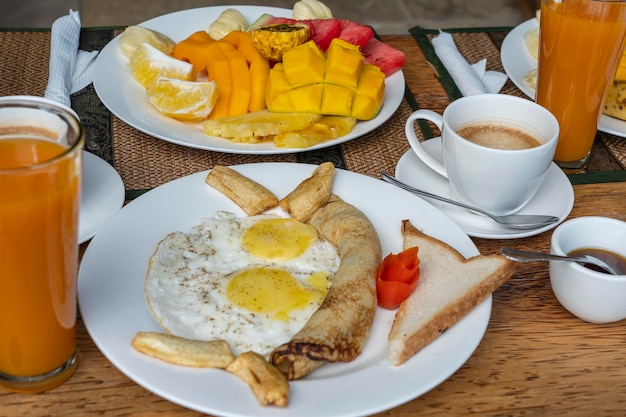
<point x="580" y="46"/>
<point x="40" y="174"/>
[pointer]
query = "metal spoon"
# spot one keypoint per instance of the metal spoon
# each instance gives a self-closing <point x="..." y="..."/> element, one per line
<point x="514" y="221"/>
<point x="525" y="256"/>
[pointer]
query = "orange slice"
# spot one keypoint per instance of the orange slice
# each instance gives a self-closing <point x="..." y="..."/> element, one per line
<point x="148" y="63"/>
<point x="183" y="99"/>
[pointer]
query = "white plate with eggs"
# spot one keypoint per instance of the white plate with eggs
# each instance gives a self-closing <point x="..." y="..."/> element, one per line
<point x="113" y="305"/>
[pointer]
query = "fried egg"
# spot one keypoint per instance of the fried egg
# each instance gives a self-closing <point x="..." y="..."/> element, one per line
<point x="252" y="281"/>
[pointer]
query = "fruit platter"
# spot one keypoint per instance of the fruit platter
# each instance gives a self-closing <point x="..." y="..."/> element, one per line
<point x="335" y="83"/>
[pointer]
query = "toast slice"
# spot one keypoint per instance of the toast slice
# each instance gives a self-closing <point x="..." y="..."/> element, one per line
<point x="449" y="287"/>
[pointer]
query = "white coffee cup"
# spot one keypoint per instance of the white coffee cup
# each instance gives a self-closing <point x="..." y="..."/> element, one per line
<point x="500" y="181"/>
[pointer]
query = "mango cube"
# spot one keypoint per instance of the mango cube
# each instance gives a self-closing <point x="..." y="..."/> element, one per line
<point x="337" y="100"/>
<point x="276" y="83"/>
<point x="280" y="104"/>
<point x="369" y="93"/>
<point x="343" y="63"/>
<point x="307" y="99"/>
<point x="304" y="64"/>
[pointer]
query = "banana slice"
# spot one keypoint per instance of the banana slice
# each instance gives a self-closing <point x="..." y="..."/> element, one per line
<point x="133" y="36"/>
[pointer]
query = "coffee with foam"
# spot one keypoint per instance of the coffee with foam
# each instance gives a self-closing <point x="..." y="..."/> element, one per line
<point x="497" y="135"/>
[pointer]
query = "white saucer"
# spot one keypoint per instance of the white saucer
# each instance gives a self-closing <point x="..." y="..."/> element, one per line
<point x="555" y="197"/>
<point x="102" y="195"/>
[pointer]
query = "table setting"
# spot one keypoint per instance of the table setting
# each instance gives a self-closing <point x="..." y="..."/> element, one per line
<point x="519" y="351"/>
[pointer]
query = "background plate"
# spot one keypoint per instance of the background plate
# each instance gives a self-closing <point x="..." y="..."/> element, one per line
<point x="102" y="195"/>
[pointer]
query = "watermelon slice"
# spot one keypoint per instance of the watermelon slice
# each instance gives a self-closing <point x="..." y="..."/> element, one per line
<point x="355" y="33"/>
<point x="260" y="21"/>
<point x="385" y="57"/>
<point x="325" y="31"/>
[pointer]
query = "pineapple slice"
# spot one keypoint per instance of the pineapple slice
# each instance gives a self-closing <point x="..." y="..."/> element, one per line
<point x="257" y="125"/>
<point x="328" y="127"/>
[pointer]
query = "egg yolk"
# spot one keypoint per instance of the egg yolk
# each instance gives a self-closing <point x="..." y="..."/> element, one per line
<point x="275" y="291"/>
<point x="278" y="239"/>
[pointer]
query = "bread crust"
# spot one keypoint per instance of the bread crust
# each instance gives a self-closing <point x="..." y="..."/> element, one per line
<point x="338" y="330"/>
<point x="419" y="320"/>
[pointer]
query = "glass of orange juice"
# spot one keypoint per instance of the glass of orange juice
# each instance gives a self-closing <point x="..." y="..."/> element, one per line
<point x="40" y="173"/>
<point x="580" y="46"/>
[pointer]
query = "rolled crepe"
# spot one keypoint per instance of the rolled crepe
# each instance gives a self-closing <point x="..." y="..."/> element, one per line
<point x="338" y="330"/>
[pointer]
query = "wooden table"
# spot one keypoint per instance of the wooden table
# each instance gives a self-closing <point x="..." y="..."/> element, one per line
<point x="535" y="357"/>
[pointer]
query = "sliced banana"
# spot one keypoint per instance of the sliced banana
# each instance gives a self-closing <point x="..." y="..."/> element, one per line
<point x="133" y="36"/>
<point x="532" y="41"/>
<point x="228" y="20"/>
<point x="311" y="9"/>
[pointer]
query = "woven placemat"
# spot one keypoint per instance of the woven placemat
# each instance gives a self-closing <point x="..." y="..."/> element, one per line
<point x="608" y="153"/>
<point x="145" y="162"/>
<point x="381" y="149"/>
<point x="24" y="62"/>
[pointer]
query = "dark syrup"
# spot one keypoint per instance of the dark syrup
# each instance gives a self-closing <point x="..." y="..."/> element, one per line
<point x="615" y="260"/>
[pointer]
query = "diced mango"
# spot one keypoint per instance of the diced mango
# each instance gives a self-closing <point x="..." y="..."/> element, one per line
<point x="307" y="99"/>
<point x="337" y="100"/>
<point x="304" y="64"/>
<point x="339" y="85"/>
<point x="280" y="104"/>
<point x="369" y="93"/>
<point x="277" y="84"/>
<point x="343" y="63"/>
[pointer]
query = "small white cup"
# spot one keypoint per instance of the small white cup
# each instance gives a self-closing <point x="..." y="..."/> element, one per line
<point x="592" y="296"/>
<point x="500" y="181"/>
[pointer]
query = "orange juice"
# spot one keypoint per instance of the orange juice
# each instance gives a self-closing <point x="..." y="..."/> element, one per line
<point x="581" y="43"/>
<point x="39" y="201"/>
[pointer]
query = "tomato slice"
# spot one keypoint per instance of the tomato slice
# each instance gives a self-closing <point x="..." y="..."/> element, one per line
<point x="397" y="277"/>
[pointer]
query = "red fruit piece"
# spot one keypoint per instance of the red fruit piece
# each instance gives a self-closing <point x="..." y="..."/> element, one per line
<point x="355" y="33"/>
<point x="278" y="21"/>
<point x="385" y="57"/>
<point x="325" y="31"/>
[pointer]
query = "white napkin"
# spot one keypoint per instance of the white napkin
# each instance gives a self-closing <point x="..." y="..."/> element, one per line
<point x="70" y="69"/>
<point x="470" y="79"/>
